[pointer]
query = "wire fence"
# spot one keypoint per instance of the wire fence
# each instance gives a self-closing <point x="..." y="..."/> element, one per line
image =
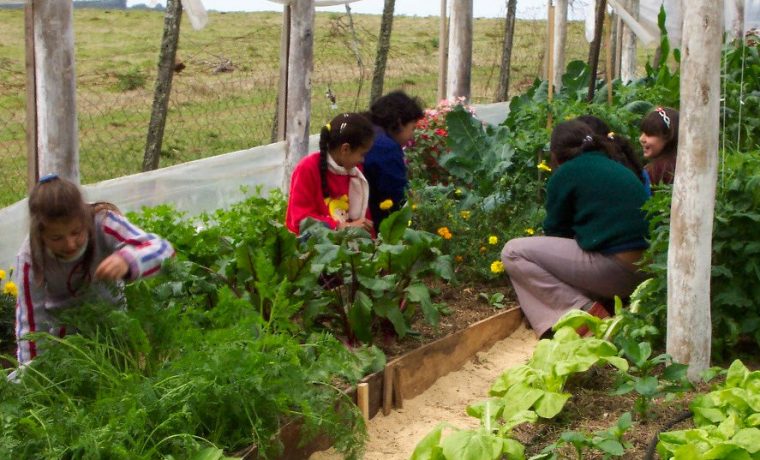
<point x="224" y="92"/>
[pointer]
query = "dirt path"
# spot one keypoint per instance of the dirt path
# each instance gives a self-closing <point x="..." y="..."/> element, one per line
<point x="394" y="437"/>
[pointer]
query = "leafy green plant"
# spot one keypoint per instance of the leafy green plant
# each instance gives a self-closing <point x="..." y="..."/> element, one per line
<point x="495" y="300"/>
<point x="642" y="379"/>
<point x="378" y="281"/>
<point x="610" y="442"/>
<point x="726" y="419"/>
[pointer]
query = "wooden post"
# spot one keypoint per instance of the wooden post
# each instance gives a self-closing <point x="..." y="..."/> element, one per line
<point x="55" y="131"/>
<point x="163" y="87"/>
<point x="388" y="389"/>
<point x="550" y="49"/>
<point x="443" y="52"/>
<point x="502" y="92"/>
<point x="628" y="52"/>
<point x="609" y="73"/>
<point x="362" y="399"/>
<point x="383" y="46"/>
<point x="737" y="25"/>
<point x="280" y="121"/>
<point x="558" y="43"/>
<point x="300" y="66"/>
<point x="690" y="247"/>
<point x="460" y="50"/>
<point x="596" y="45"/>
<point x="32" y="173"/>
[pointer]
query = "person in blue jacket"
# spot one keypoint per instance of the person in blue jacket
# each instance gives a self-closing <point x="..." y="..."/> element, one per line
<point x="394" y="117"/>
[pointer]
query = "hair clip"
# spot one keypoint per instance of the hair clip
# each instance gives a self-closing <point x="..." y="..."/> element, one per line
<point x="588" y="139"/>
<point x="342" y="125"/>
<point x="47" y="178"/>
<point x="611" y="135"/>
<point x="328" y="126"/>
<point x="664" y="115"/>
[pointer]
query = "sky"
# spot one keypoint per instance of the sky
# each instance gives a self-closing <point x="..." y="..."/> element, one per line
<point x="526" y="9"/>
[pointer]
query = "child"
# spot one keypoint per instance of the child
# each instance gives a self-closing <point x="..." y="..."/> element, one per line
<point x="659" y="139"/>
<point x="395" y="116"/>
<point x="621" y="149"/>
<point x="329" y="185"/>
<point x="74" y="254"/>
<point x="596" y="233"/>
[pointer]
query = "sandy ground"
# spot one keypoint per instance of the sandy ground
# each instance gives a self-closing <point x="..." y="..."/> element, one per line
<point x="395" y="436"/>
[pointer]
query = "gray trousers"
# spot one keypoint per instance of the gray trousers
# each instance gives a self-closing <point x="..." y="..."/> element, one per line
<point x="552" y="276"/>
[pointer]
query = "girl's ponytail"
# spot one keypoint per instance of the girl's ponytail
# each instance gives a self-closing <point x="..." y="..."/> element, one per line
<point x="324" y="144"/>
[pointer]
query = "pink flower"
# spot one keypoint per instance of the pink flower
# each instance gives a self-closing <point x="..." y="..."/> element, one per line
<point x="441" y="132"/>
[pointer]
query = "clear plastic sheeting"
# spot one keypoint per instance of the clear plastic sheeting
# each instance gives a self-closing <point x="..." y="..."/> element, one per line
<point x="194" y="187"/>
<point x="650" y="9"/>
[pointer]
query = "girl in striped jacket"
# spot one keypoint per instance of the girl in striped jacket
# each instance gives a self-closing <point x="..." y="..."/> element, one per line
<point x="76" y="253"/>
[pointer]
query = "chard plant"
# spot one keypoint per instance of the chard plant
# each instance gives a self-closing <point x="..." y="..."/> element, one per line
<point x="373" y="282"/>
<point x="727" y="421"/>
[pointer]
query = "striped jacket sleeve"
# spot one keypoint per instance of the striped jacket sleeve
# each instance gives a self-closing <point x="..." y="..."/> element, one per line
<point x="31" y="315"/>
<point x="144" y="252"/>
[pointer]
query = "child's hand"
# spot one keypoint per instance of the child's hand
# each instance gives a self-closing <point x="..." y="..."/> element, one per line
<point x="364" y="223"/>
<point x="113" y="268"/>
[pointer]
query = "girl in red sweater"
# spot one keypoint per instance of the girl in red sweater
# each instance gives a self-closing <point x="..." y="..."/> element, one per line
<point x="329" y="185"/>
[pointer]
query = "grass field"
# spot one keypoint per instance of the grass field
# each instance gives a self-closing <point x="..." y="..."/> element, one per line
<point x="218" y="112"/>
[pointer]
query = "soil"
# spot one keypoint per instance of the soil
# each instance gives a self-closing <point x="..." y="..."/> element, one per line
<point x="592" y="407"/>
<point x="464" y="306"/>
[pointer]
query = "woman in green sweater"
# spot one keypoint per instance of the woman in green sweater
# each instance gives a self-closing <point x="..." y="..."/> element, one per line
<point x="595" y="233"/>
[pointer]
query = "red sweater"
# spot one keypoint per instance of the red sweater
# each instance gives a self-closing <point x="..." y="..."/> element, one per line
<point x="307" y="200"/>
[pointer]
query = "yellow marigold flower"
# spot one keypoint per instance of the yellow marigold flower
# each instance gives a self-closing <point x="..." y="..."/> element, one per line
<point x="458" y="192"/>
<point x="414" y="206"/>
<point x="2" y="274"/>
<point x="497" y="266"/>
<point x="493" y="239"/>
<point x="10" y="288"/>
<point x="465" y="214"/>
<point x="544" y="167"/>
<point x="386" y="204"/>
<point x="444" y="233"/>
<point x="530" y="231"/>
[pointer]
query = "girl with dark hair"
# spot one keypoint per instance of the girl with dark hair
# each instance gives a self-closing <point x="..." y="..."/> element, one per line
<point x="620" y="147"/>
<point x="394" y="117"/>
<point x="595" y="233"/>
<point x="659" y="140"/>
<point x="329" y="185"/>
<point x="74" y="254"/>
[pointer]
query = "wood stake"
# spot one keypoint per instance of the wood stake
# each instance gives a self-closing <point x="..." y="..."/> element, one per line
<point x="362" y="397"/>
<point x="388" y="389"/>
<point x="398" y="395"/>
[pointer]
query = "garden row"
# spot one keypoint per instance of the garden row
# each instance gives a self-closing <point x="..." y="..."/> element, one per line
<point x="251" y="327"/>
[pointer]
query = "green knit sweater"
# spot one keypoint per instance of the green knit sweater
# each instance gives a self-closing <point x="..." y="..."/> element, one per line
<point x="598" y="202"/>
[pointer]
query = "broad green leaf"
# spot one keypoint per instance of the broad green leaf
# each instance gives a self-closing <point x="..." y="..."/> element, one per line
<point x="472" y="445"/>
<point x="392" y="228"/>
<point x="551" y="404"/>
<point x="428" y="448"/>
<point x="610" y="446"/>
<point x="513" y="449"/>
<point x="736" y="374"/>
<point x="748" y="439"/>
<point x="211" y="453"/>
<point x="360" y="317"/>
<point x="420" y="293"/>
<point x="376" y="283"/>
<point x="646" y="386"/>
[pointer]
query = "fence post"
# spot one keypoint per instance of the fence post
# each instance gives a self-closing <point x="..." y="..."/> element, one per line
<point x="596" y="46"/>
<point x="300" y="66"/>
<point x="628" y="52"/>
<point x="460" y="50"/>
<point x="54" y="91"/>
<point x="383" y="45"/>
<point x="560" y="37"/>
<point x="502" y="92"/>
<point x="280" y="121"/>
<point x="163" y="87"/>
<point x="443" y="51"/>
<point x="32" y="165"/>
<point x="692" y="211"/>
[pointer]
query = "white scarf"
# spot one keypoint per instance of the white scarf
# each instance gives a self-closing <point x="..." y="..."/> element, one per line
<point x="358" y="188"/>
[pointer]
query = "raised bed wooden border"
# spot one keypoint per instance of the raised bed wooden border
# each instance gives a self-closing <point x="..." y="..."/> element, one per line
<point x="411" y="374"/>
